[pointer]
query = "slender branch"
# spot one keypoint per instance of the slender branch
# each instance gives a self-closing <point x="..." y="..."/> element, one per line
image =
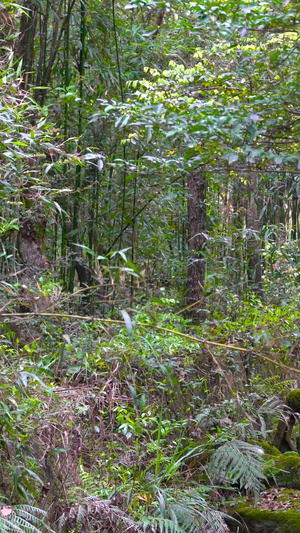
<point x="158" y="193"/>
<point x="122" y="99"/>
<point x="117" y="51"/>
<point x="153" y="197"/>
<point x="55" y="48"/>
<point x="151" y="326"/>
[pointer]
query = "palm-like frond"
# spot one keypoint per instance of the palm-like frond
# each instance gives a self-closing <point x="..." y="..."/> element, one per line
<point x="25" y="519"/>
<point x="271" y="407"/>
<point x="97" y="514"/>
<point x="239" y="462"/>
<point x="186" y="512"/>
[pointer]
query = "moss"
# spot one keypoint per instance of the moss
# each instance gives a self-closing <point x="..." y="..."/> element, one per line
<point x="288" y="461"/>
<point x="293" y="400"/>
<point x="269" y="521"/>
<point x="288" y="470"/>
<point x="269" y="449"/>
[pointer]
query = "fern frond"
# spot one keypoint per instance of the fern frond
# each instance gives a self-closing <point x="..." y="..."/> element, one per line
<point x="9" y="527"/>
<point x="239" y="462"/>
<point x="194" y="512"/>
<point x="184" y="512"/>
<point x="81" y="515"/>
<point x="271" y="407"/>
<point x="26" y="526"/>
<point x="274" y="385"/>
<point x="25" y="519"/>
<point x="97" y="512"/>
<point x="163" y="525"/>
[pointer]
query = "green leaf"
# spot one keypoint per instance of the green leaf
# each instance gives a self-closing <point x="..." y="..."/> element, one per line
<point x="86" y="249"/>
<point x="149" y="130"/>
<point x="128" y="323"/>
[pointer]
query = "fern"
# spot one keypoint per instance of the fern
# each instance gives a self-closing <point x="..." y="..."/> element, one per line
<point x="272" y="407"/>
<point x="81" y="515"/>
<point x="239" y="462"/>
<point x="24" y="519"/>
<point x="163" y="525"/>
<point x="96" y="514"/>
<point x="186" y="512"/>
<point x="274" y="385"/>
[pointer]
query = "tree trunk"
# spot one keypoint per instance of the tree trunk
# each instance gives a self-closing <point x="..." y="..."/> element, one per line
<point x="25" y="45"/>
<point x="43" y="47"/>
<point x="197" y="223"/>
<point x="76" y="205"/>
<point x="159" y="21"/>
<point x="254" y="244"/>
<point x="30" y="245"/>
<point x="6" y="23"/>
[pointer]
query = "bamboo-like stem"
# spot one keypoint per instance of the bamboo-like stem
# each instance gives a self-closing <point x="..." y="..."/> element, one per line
<point x="122" y="100"/>
<point x="133" y="236"/>
<point x="93" y="245"/>
<point x="54" y="50"/>
<point x="145" y="205"/>
<point x="78" y="168"/>
<point x="66" y="82"/>
<point x="43" y="47"/>
<point x="25" y="44"/>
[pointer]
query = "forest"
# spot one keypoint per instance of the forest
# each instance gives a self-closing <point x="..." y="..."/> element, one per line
<point x="150" y="266"/>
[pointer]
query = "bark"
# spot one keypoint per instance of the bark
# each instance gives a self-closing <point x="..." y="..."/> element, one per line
<point x="30" y="246"/>
<point x="254" y="266"/>
<point x="159" y="22"/>
<point x="294" y="231"/>
<point x="283" y="437"/>
<point x="83" y="272"/>
<point x="6" y="23"/>
<point x="25" y="45"/>
<point x="239" y="198"/>
<point x="197" y="224"/>
<point x="30" y="242"/>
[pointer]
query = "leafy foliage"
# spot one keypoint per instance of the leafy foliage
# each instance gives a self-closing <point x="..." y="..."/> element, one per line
<point x="24" y="519"/>
<point x="186" y="512"/>
<point x="240" y="462"/>
<point x="120" y="409"/>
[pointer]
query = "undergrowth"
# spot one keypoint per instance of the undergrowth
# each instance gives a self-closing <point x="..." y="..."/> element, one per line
<point x="137" y="428"/>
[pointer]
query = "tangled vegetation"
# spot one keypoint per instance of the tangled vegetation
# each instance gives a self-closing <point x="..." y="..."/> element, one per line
<point x="149" y="266"/>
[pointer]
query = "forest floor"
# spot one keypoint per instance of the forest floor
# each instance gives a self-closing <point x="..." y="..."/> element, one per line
<point x="148" y="423"/>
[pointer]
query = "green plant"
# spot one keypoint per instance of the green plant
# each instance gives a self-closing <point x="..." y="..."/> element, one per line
<point x="241" y="463"/>
<point x="23" y="519"/>
<point x="184" y="512"/>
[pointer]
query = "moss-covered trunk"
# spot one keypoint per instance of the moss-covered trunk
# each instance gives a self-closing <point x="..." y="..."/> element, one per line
<point x="31" y="251"/>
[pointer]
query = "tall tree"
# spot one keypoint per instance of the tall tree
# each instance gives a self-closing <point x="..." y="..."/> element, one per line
<point x="254" y="262"/>
<point x="197" y="227"/>
<point x="24" y="48"/>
